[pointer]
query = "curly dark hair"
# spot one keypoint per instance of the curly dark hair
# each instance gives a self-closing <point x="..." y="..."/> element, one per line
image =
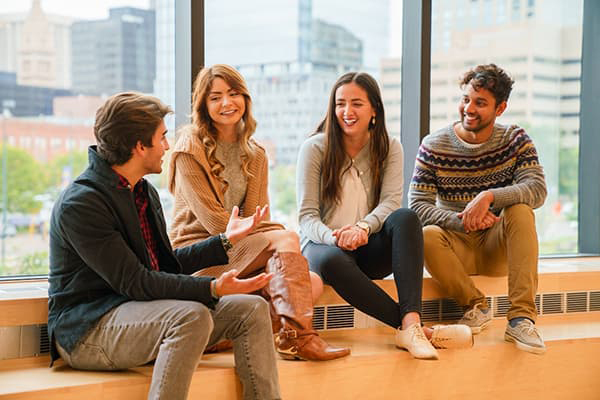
<point x="123" y="120"/>
<point x="490" y="77"/>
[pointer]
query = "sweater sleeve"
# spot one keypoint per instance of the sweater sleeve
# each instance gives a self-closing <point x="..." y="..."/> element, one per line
<point x="529" y="185"/>
<point x="263" y="194"/>
<point x="423" y="194"/>
<point x="192" y="182"/>
<point x="308" y="188"/>
<point x="391" y="188"/>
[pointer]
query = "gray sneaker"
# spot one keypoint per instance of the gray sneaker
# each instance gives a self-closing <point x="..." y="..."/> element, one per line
<point x="476" y="319"/>
<point x="526" y="336"/>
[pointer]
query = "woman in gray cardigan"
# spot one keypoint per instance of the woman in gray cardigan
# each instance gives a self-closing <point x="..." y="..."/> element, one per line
<point x="353" y="229"/>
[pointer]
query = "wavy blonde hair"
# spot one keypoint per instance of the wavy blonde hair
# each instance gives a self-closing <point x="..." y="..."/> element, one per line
<point x="203" y="124"/>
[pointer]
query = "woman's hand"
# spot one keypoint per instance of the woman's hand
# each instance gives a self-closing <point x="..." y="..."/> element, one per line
<point x="350" y="237"/>
<point x="238" y="228"/>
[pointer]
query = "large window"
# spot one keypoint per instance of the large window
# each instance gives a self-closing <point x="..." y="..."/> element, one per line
<point x="60" y="60"/>
<point x="291" y="53"/>
<point x="539" y="44"/>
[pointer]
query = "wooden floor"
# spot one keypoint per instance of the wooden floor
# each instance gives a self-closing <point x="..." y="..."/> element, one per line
<point x="492" y="369"/>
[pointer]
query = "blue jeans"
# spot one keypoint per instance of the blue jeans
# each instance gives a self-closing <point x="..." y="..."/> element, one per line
<point x="175" y="333"/>
<point x="397" y="249"/>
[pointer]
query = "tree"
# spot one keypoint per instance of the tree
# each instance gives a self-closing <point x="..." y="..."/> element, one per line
<point x="25" y="180"/>
<point x="283" y="188"/>
<point x="64" y="169"/>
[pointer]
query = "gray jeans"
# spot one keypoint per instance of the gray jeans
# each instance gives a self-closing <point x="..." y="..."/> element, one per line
<point x="175" y="334"/>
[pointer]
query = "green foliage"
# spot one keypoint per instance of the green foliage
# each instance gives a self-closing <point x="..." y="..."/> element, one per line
<point x="25" y="180"/>
<point x="34" y="264"/>
<point x="283" y="188"/>
<point x="568" y="172"/>
<point x="72" y="164"/>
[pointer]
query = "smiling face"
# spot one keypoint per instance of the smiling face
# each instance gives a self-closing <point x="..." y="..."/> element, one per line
<point x="152" y="156"/>
<point x="353" y="110"/>
<point x="225" y="105"/>
<point x="478" y="110"/>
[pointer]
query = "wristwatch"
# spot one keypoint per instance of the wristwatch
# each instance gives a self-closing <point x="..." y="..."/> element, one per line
<point x="364" y="226"/>
<point x="227" y="245"/>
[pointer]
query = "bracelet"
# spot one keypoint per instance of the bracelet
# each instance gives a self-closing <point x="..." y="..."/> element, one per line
<point x="225" y="242"/>
<point x="213" y="289"/>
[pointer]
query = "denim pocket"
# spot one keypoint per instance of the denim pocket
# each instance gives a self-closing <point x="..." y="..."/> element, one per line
<point x="92" y="357"/>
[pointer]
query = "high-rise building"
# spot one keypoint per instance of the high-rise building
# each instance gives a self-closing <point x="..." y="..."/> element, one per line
<point x="115" y="54"/>
<point x="37" y="47"/>
<point x="28" y="100"/>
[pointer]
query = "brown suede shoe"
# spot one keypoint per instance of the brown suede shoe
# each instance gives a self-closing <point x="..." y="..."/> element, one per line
<point x="308" y="346"/>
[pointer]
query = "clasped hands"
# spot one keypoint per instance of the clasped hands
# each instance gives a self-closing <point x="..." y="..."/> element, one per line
<point x="477" y="215"/>
<point x="237" y="229"/>
<point x="350" y="237"/>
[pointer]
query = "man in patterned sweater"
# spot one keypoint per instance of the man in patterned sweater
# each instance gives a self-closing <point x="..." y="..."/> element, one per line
<point x="475" y="186"/>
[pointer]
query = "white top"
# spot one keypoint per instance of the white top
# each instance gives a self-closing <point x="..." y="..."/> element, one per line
<point x="353" y="204"/>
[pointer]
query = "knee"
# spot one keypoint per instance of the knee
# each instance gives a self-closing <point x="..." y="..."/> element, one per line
<point x="519" y="213"/>
<point x="433" y="237"/>
<point x="316" y="284"/>
<point x="195" y="317"/>
<point x="286" y="240"/>
<point x="249" y="305"/>
<point x="405" y="219"/>
<point x="329" y="262"/>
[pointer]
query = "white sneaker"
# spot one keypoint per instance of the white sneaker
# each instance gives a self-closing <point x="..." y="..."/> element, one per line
<point x="451" y="337"/>
<point x="414" y="340"/>
<point x="526" y="337"/>
<point x="476" y="319"/>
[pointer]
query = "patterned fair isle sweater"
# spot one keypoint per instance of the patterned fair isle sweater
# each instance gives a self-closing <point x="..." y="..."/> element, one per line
<point x="449" y="173"/>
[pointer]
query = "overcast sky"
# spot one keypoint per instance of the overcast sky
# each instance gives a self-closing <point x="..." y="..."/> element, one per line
<point x="85" y="9"/>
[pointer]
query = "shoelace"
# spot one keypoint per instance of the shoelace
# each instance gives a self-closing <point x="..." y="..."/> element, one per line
<point x="418" y="333"/>
<point x="471" y="313"/>
<point x="528" y="328"/>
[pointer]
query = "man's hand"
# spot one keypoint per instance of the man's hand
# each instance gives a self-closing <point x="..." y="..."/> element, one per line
<point x="238" y="228"/>
<point x="350" y="237"/>
<point x="228" y="283"/>
<point x="477" y="215"/>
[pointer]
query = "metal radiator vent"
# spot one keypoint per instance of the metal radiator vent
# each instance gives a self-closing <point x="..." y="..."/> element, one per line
<point x="319" y="317"/>
<point x="341" y="316"/>
<point x="501" y="306"/>
<point x="577" y="302"/>
<point x="594" y="301"/>
<point x="44" y="340"/>
<point x="552" y="303"/>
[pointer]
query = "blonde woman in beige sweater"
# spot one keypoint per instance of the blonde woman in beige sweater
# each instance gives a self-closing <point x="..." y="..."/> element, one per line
<point x="217" y="168"/>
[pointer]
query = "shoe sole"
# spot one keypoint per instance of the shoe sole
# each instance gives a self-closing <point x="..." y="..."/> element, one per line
<point x="477" y="329"/>
<point x="523" y="346"/>
<point x="432" y="357"/>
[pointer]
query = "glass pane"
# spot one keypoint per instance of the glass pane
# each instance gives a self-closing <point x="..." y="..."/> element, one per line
<point x="539" y="45"/>
<point x="60" y="60"/>
<point x="290" y="54"/>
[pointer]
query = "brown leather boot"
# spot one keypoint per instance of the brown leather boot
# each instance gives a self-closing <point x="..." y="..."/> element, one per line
<point x="291" y="298"/>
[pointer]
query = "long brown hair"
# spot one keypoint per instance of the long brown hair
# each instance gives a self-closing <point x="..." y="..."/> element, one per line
<point x="335" y="156"/>
<point x="204" y="126"/>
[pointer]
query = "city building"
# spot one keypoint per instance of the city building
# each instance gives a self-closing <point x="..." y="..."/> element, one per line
<point x="37" y="47"/>
<point x="27" y="100"/>
<point x="115" y="54"/>
<point x="47" y="137"/>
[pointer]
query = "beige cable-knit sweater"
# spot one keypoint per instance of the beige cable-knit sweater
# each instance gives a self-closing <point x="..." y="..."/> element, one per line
<point x="199" y="210"/>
